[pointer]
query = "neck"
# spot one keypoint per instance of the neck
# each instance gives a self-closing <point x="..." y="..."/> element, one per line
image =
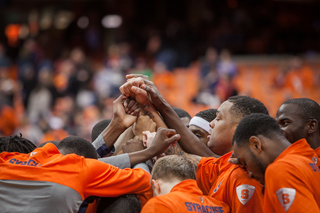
<point x="279" y="145"/>
<point x="166" y="187"/>
<point x="314" y="141"/>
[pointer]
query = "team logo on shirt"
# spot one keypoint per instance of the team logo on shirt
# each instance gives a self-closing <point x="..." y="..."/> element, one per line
<point x="201" y="199"/>
<point x="216" y="189"/>
<point x="286" y="197"/>
<point x="244" y="193"/>
<point x="32" y="154"/>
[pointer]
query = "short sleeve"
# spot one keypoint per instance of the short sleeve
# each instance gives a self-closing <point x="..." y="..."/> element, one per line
<point x="207" y="173"/>
<point x="156" y="206"/>
<point x="286" y="190"/>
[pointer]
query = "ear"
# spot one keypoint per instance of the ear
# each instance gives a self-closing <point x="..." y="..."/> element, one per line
<point x="157" y="187"/>
<point x="312" y="126"/>
<point x="255" y="144"/>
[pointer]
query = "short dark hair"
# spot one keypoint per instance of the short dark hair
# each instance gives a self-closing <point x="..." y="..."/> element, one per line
<point x="245" y="105"/>
<point x="173" y="166"/>
<point x="78" y="146"/>
<point x="181" y="113"/>
<point x="53" y="142"/>
<point x="99" y="127"/>
<point x="208" y="115"/>
<point x="15" y="143"/>
<point x="253" y="125"/>
<point x="308" y="108"/>
<point x="124" y="203"/>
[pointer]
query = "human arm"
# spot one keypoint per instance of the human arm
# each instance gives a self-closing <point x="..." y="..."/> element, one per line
<point x="119" y="123"/>
<point x="286" y="189"/>
<point x="188" y="141"/>
<point x="122" y="139"/>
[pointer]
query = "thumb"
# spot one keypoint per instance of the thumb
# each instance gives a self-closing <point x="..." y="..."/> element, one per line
<point x="137" y="90"/>
<point x="120" y="99"/>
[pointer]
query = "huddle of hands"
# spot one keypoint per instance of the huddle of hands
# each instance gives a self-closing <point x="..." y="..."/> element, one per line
<point x="133" y="108"/>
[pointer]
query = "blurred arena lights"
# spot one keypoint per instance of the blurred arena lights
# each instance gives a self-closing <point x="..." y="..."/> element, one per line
<point x="83" y="22"/>
<point x="111" y="21"/>
<point x="24" y="32"/>
<point x="63" y="19"/>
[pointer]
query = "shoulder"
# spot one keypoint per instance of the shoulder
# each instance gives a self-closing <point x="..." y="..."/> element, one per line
<point x="159" y="204"/>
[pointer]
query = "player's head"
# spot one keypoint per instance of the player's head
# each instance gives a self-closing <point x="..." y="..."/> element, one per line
<point x="255" y="142"/>
<point x="229" y="114"/>
<point x="183" y="115"/>
<point x="53" y="142"/>
<point x="78" y="146"/>
<point x="124" y="203"/>
<point x="299" y="118"/>
<point x="99" y="127"/>
<point x="170" y="169"/>
<point x="199" y="124"/>
<point x="15" y="143"/>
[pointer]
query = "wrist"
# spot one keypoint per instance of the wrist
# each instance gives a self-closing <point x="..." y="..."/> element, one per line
<point x="117" y="124"/>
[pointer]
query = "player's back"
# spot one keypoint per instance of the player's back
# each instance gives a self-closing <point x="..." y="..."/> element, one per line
<point x="292" y="180"/>
<point x="185" y="197"/>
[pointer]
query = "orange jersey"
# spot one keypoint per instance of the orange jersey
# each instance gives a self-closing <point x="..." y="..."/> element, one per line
<point x="185" y="197"/>
<point x="45" y="177"/>
<point x="317" y="150"/>
<point x="291" y="181"/>
<point x="230" y="184"/>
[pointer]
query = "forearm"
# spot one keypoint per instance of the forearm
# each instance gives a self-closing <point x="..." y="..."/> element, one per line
<point x="188" y="141"/>
<point x="122" y="139"/>
<point x="150" y="110"/>
<point x="112" y="132"/>
<point x="140" y="156"/>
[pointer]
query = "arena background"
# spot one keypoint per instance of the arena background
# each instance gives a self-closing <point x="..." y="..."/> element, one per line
<point x="62" y="62"/>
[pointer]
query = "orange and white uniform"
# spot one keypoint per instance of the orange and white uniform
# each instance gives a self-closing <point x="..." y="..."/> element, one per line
<point x="230" y="184"/>
<point x="185" y="197"/>
<point x="292" y="181"/>
<point x="317" y="150"/>
<point x="46" y="181"/>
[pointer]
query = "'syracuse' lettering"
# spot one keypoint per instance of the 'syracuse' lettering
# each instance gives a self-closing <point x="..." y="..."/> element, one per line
<point x="27" y="163"/>
<point x="194" y="207"/>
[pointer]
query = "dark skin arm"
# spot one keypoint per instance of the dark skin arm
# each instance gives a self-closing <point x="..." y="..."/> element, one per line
<point x="188" y="141"/>
<point x="120" y="121"/>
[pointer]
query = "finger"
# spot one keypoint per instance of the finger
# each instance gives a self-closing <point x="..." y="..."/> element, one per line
<point x="133" y="108"/>
<point x="126" y="102"/>
<point x="138" y="90"/>
<point x="233" y="161"/>
<point x="169" y="133"/>
<point x="136" y="112"/>
<point x="130" y="105"/>
<point x="122" y="90"/>
<point x="173" y="139"/>
<point x="120" y="99"/>
<point x="137" y="76"/>
<point x="127" y="88"/>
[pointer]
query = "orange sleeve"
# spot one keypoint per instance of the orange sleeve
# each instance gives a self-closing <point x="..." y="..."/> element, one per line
<point x="156" y="205"/>
<point x="245" y="194"/>
<point x="285" y="192"/>
<point x="207" y="173"/>
<point x="105" y="180"/>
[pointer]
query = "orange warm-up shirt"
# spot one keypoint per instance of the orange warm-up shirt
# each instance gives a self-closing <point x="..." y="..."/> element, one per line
<point x="44" y="178"/>
<point x="230" y="184"/>
<point x="292" y="181"/>
<point x="185" y="197"/>
<point x="317" y="150"/>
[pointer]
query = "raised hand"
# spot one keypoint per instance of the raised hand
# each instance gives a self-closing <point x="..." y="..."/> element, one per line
<point x="163" y="139"/>
<point x="119" y="113"/>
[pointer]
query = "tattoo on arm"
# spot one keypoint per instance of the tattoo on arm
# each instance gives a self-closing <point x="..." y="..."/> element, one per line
<point x="146" y="111"/>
